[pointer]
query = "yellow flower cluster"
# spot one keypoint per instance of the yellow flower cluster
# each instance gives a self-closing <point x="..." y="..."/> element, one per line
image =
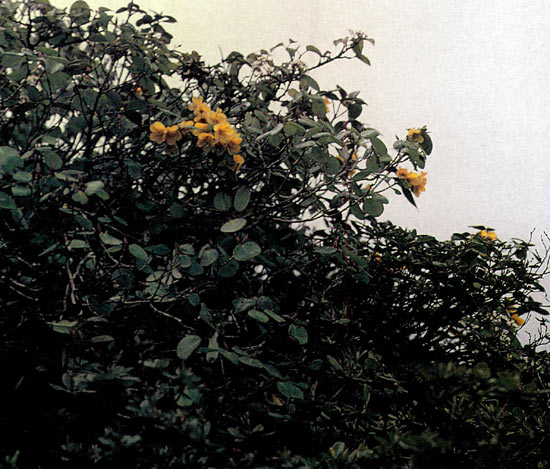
<point x="416" y="182"/>
<point x="211" y="128"/>
<point x="488" y="235"/>
<point x="415" y="135"/>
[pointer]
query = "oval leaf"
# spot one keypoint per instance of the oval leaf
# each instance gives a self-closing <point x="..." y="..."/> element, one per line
<point x="233" y="225"/>
<point x="242" y="198"/>
<point x="138" y="252"/>
<point x="246" y="251"/>
<point x="187" y="345"/>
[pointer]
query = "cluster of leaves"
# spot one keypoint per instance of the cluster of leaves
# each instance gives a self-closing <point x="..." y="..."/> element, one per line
<point x="161" y="309"/>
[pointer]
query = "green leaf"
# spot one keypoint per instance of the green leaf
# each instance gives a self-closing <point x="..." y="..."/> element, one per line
<point x="242" y="198"/>
<point x="312" y="48"/>
<point x="6" y="201"/>
<point x="80" y="197"/>
<point x="138" y="252"/>
<point x="274" y="131"/>
<point x="194" y="299"/>
<point x="246" y="251"/>
<point x="258" y="315"/>
<point x="64" y="326"/>
<point x="77" y="244"/>
<point x="209" y="256"/>
<point x="93" y="186"/>
<point x="325" y="250"/>
<point x="233" y="225"/>
<point x="251" y="362"/>
<point x="334" y="363"/>
<point x="187" y="345"/>
<point x="222" y="202"/>
<point x="379" y="147"/>
<point x="299" y="333"/>
<point x="22" y="176"/>
<point x="52" y="160"/>
<point x="21" y="191"/>
<point x="373" y="206"/>
<point x="102" y="338"/>
<point x="229" y="270"/>
<point x="292" y="128"/>
<point x="274" y="316"/>
<point x="318" y="108"/>
<point x="290" y="390"/>
<point x="9" y="159"/>
<point x="110" y="240"/>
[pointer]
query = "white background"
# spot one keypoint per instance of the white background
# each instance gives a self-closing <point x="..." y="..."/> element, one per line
<point x="475" y="72"/>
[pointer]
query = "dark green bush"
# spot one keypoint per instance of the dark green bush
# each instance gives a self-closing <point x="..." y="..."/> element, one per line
<point x="186" y="288"/>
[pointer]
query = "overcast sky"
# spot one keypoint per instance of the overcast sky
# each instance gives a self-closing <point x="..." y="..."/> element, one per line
<point x="475" y="72"/>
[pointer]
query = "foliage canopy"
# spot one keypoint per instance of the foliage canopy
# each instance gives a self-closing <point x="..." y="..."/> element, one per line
<point x="193" y="273"/>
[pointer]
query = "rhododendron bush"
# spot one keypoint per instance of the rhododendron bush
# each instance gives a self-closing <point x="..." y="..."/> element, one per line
<point x="194" y="272"/>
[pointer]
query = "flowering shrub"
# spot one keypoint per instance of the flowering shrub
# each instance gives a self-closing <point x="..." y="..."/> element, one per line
<point x="194" y="274"/>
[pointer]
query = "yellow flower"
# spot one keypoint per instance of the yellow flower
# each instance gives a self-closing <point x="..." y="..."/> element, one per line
<point x="139" y="91"/>
<point x="196" y="104"/>
<point x="186" y="126"/>
<point x="413" y="179"/>
<point x="488" y="235"/>
<point x="158" y="132"/>
<point x="173" y="134"/>
<point x="234" y="144"/>
<point x="402" y="173"/>
<point x="519" y="321"/>
<point x="327" y="104"/>
<point x="377" y="256"/>
<point x="239" y="161"/>
<point x="200" y="127"/>
<point x="200" y="109"/>
<point x="223" y="132"/>
<point x="415" y="135"/>
<point x="217" y="117"/>
<point x="206" y="141"/>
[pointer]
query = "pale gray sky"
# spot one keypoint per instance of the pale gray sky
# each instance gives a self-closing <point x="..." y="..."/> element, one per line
<point x="476" y="73"/>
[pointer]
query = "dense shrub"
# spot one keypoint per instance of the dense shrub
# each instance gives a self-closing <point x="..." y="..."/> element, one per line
<point x="193" y="274"/>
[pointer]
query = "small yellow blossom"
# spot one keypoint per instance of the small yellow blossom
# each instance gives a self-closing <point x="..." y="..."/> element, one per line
<point x="196" y="104"/>
<point x="415" y="135"/>
<point x="377" y="256"/>
<point x="327" y="104"/>
<point x="200" y="127"/>
<point x="488" y="235"/>
<point x="519" y="321"/>
<point x="173" y="134"/>
<point x="402" y="173"/>
<point x="139" y="91"/>
<point x="200" y="109"/>
<point x="186" y="126"/>
<point x="158" y="132"/>
<point x="206" y="141"/>
<point x="223" y="132"/>
<point x="216" y="117"/>
<point x="234" y="144"/>
<point x="239" y="161"/>
<point x="417" y="182"/>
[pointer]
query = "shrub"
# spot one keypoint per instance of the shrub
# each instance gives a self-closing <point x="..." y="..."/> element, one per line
<point x="193" y="273"/>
